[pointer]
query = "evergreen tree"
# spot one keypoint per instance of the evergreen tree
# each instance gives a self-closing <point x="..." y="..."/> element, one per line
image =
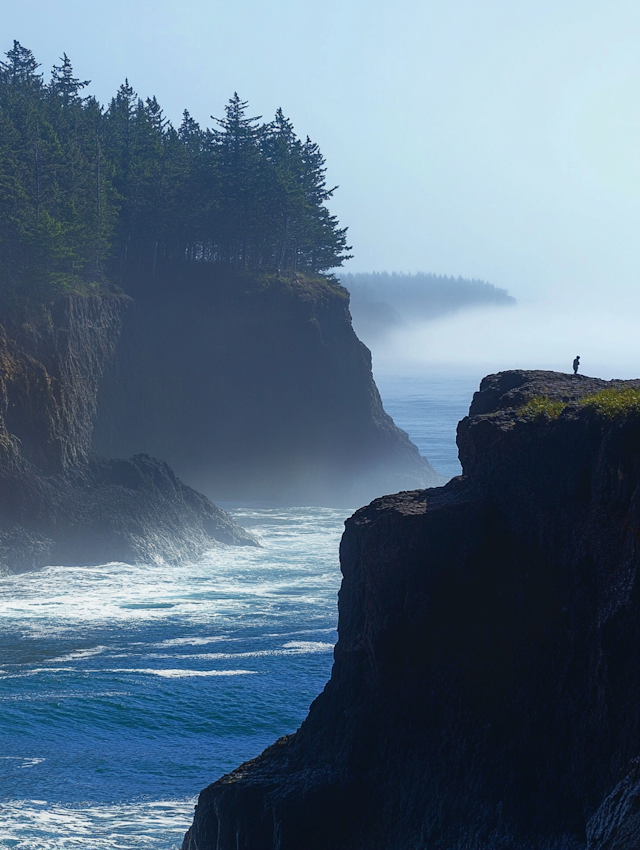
<point x="241" y="183"/>
<point x="63" y="84"/>
<point x="20" y="67"/>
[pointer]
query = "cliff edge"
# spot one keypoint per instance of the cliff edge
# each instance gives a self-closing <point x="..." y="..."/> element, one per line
<point x="59" y="504"/>
<point x="486" y="682"/>
<point x="253" y="389"/>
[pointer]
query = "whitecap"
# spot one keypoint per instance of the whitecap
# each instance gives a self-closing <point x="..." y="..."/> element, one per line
<point x="294" y="647"/>
<point x="26" y="762"/>
<point x="192" y="641"/>
<point x="79" y="654"/>
<point x="305" y="646"/>
<point x="35" y="671"/>
<point x="178" y="673"/>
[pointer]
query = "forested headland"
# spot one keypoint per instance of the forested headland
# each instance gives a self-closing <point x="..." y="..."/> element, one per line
<point x="381" y="301"/>
<point x="94" y="195"/>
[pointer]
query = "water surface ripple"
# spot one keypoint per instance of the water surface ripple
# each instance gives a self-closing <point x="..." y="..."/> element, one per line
<point x="126" y="689"/>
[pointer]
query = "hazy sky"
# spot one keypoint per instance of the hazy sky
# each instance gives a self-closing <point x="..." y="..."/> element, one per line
<point x="497" y="139"/>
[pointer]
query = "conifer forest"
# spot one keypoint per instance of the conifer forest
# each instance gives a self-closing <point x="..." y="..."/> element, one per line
<point x="92" y="195"/>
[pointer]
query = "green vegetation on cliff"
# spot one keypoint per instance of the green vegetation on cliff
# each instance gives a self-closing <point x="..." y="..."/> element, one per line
<point x="90" y="194"/>
<point x="614" y="402"/>
<point x="541" y="406"/>
<point x="611" y="403"/>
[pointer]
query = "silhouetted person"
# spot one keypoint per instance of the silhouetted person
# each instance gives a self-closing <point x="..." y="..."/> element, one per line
<point x="576" y="364"/>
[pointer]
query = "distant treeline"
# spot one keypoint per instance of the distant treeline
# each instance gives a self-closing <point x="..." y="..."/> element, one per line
<point x="380" y="300"/>
<point x="429" y="293"/>
<point x="89" y="193"/>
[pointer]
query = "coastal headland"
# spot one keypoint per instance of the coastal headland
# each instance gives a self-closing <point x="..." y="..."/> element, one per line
<point x="253" y="387"/>
<point x="485" y="686"/>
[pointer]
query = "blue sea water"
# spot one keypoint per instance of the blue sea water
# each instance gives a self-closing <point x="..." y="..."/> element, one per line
<point x="124" y="689"/>
<point x="428" y="407"/>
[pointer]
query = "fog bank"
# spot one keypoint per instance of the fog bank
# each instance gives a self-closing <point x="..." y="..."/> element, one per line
<point x="531" y="335"/>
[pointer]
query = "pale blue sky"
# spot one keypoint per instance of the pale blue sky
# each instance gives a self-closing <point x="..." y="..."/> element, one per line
<point x="491" y="139"/>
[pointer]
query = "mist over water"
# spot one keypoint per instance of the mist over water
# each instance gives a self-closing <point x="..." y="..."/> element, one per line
<point x="427" y="371"/>
<point x="544" y="334"/>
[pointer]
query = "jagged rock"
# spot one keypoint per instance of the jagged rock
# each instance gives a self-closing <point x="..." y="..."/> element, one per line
<point x="133" y="510"/>
<point x="486" y="686"/>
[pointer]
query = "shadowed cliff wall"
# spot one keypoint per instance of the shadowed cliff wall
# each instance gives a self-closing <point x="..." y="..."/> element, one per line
<point x="486" y="686"/>
<point x="58" y="504"/>
<point x="254" y="390"/>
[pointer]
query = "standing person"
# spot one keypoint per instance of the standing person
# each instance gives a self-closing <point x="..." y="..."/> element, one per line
<point x="576" y="364"/>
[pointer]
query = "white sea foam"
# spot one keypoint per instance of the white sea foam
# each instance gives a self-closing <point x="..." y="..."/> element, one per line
<point x="40" y="825"/>
<point x="36" y="671"/>
<point x="192" y="640"/>
<point x="224" y="583"/>
<point x="301" y="632"/>
<point x="305" y="646"/>
<point x="291" y="648"/>
<point x="103" y="652"/>
<point x="49" y="696"/>
<point x="80" y="654"/>
<point x="177" y="674"/>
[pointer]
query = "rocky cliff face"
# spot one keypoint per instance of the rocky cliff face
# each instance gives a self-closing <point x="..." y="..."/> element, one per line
<point x="50" y="368"/>
<point x="57" y="503"/>
<point x="254" y="391"/>
<point x="486" y="685"/>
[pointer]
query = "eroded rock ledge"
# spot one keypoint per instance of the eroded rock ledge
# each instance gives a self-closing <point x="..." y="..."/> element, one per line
<point x="486" y="685"/>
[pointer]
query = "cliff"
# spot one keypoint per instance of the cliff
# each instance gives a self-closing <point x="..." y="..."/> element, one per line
<point x="58" y="503"/>
<point x="254" y="389"/>
<point x="486" y="682"/>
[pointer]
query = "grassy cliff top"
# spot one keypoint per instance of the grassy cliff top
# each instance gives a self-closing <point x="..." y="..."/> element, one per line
<point x="610" y="403"/>
<point x="535" y="393"/>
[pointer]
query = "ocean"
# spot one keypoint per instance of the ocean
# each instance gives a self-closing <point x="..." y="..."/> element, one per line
<point x="124" y="690"/>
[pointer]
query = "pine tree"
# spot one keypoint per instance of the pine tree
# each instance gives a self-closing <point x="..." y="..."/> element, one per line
<point x="63" y="84"/>
<point x="20" y="67"/>
<point x="240" y="182"/>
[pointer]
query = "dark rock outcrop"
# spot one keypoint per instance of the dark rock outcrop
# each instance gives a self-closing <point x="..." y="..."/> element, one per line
<point x="272" y="395"/>
<point x="58" y="504"/>
<point x="133" y="510"/>
<point x="486" y="685"/>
